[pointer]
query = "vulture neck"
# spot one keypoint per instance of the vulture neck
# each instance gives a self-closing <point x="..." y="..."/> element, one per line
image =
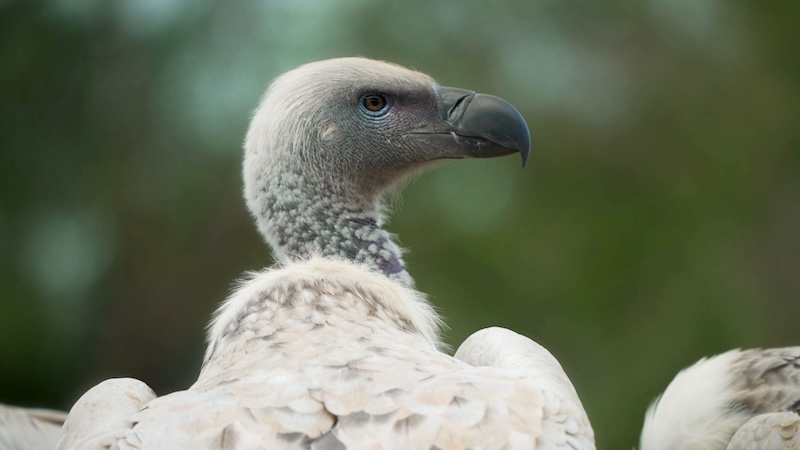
<point x="301" y="220"/>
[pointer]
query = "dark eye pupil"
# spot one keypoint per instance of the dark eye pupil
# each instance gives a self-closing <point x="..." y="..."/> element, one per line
<point x="374" y="102"/>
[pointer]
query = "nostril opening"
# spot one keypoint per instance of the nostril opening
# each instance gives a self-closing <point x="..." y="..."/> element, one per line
<point x="460" y="104"/>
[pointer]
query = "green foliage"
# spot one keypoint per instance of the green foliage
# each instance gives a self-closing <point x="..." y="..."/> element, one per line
<point x="656" y="223"/>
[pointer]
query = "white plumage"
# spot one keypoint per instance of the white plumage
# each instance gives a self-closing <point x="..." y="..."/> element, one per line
<point x="319" y="355"/>
<point x="741" y="399"/>
<point x="334" y="348"/>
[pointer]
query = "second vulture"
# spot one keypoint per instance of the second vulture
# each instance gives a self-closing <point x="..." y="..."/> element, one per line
<point x="333" y="348"/>
<point x="739" y="400"/>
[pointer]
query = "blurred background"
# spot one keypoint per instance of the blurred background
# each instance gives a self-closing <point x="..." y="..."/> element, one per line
<point x="658" y="221"/>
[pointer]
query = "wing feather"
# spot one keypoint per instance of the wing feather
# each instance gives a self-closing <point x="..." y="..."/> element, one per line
<point x="22" y="428"/>
<point x="104" y="413"/>
<point x="562" y="417"/>
<point x="772" y="431"/>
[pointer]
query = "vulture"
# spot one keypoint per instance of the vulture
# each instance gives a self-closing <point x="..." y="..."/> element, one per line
<point x="738" y="400"/>
<point x="333" y="348"/>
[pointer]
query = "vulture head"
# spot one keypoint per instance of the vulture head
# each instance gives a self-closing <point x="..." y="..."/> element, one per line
<point x="331" y="138"/>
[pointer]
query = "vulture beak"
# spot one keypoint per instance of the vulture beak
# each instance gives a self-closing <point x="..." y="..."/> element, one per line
<point x="480" y="125"/>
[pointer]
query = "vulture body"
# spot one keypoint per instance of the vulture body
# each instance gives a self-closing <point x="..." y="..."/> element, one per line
<point x="333" y="348"/>
<point x="320" y="355"/>
<point x="741" y="399"/>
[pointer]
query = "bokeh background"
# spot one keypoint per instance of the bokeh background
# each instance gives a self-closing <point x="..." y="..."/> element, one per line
<point x="658" y="221"/>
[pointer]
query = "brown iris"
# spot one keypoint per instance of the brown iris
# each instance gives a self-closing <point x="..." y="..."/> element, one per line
<point x="374" y="102"/>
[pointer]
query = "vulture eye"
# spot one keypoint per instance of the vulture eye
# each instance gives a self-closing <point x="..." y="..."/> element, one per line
<point x="375" y="104"/>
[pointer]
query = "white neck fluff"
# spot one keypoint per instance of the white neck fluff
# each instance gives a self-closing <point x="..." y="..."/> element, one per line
<point x="270" y="290"/>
